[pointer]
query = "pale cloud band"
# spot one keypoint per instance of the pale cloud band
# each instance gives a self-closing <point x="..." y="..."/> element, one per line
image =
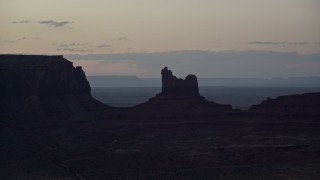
<point x="54" y="23"/>
<point x="20" y="22"/>
<point x="283" y="43"/>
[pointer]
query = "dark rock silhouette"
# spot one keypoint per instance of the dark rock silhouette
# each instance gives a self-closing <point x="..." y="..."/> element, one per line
<point x="43" y="87"/>
<point x="179" y="98"/>
<point x="41" y="75"/>
<point x="172" y="86"/>
<point x="304" y="105"/>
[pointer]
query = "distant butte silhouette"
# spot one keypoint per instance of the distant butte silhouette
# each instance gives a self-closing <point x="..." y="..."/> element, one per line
<point x="172" y="86"/>
<point x="179" y="98"/>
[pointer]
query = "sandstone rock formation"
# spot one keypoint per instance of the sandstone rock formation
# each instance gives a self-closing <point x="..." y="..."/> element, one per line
<point x="304" y="105"/>
<point x="179" y="98"/>
<point x="43" y="87"/>
<point x="39" y="88"/>
<point x="41" y="75"/>
<point x="172" y="86"/>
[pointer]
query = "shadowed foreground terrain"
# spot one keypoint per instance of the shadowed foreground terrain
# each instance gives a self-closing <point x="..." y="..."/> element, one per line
<point x="51" y="128"/>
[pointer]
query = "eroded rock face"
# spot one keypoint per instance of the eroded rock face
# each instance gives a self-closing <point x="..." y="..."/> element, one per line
<point x="41" y="75"/>
<point x="43" y="87"/>
<point x="172" y="86"/>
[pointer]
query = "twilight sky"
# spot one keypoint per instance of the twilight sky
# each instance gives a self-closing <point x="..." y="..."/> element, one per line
<point x="238" y="38"/>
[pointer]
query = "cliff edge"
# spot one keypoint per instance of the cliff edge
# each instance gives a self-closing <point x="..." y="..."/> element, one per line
<point x="43" y="87"/>
<point x="41" y="75"/>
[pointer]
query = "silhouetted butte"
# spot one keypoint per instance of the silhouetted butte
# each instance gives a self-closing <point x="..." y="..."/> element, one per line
<point x="172" y="86"/>
<point x="179" y="98"/>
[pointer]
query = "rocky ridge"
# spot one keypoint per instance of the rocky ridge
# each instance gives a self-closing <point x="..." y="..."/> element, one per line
<point x="302" y="105"/>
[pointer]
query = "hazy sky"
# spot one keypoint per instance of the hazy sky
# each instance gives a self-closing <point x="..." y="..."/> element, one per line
<point x="160" y="26"/>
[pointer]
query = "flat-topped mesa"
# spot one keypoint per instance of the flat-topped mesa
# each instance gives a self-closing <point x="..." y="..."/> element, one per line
<point x="41" y="75"/>
<point x="172" y="86"/>
<point x="38" y="87"/>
